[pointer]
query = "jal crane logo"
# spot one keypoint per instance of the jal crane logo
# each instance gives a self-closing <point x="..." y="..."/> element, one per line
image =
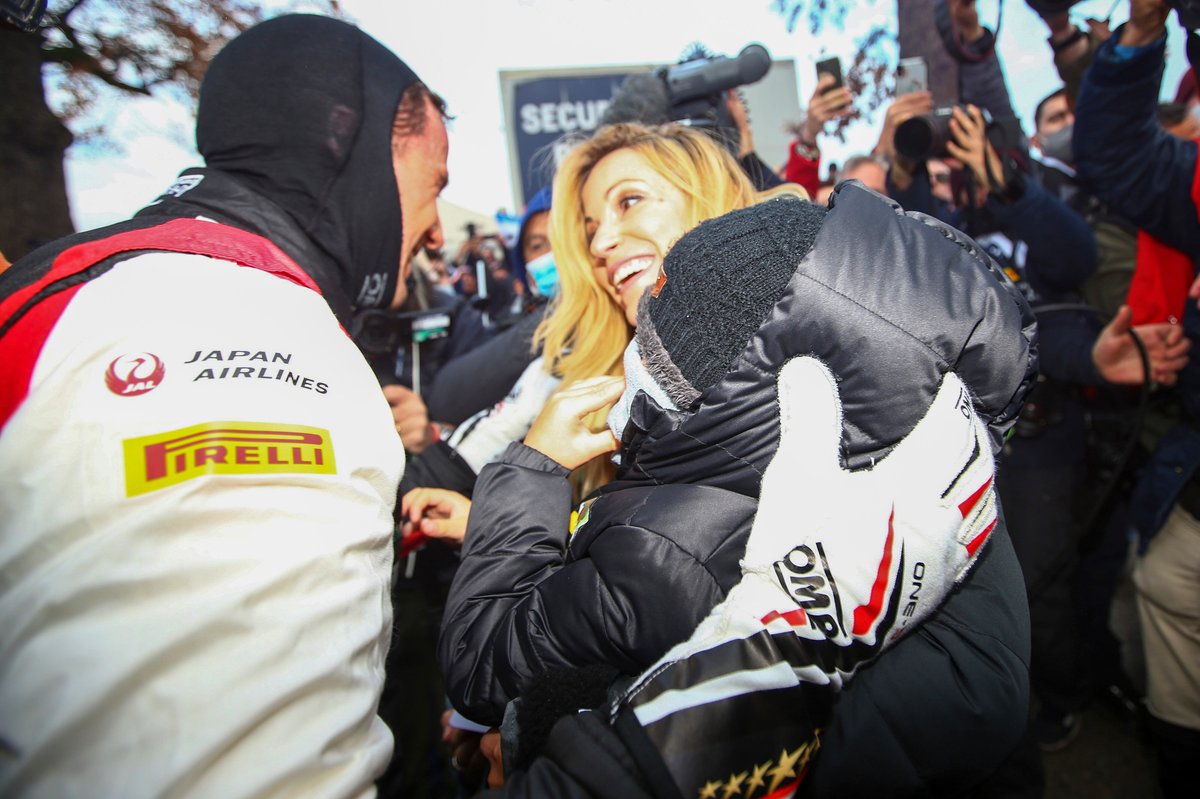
<point x="134" y="373"/>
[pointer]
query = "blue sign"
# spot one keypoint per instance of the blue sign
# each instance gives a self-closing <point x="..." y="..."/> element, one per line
<point x="545" y="110"/>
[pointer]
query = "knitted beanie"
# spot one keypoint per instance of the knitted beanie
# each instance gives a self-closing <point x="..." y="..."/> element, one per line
<point x="722" y="279"/>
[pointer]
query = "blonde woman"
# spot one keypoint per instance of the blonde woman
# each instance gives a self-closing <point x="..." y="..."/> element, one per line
<point x="623" y="197"/>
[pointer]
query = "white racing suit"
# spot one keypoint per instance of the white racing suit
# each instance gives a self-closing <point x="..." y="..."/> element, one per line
<point x="197" y="474"/>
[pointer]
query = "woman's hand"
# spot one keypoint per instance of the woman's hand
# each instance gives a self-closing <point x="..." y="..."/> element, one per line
<point x="437" y="513"/>
<point x="560" y="431"/>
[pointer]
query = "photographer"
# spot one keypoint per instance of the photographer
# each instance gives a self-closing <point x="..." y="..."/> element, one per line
<point x="497" y="294"/>
<point x="997" y="203"/>
<point x="1151" y="177"/>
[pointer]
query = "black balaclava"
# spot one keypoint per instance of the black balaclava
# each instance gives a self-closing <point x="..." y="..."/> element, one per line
<point x="300" y="108"/>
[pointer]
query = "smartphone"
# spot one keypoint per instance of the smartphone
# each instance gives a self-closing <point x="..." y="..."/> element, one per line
<point x="831" y="66"/>
<point x="912" y="76"/>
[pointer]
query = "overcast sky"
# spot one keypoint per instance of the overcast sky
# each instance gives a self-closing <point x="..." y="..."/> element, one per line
<point x="458" y="47"/>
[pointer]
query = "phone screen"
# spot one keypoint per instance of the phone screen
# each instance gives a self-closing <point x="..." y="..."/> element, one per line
<point x="832" y="66"/>
<point x="912" y="76"/>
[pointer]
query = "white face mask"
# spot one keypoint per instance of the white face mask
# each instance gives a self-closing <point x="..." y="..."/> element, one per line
<point x="636" y="379"/>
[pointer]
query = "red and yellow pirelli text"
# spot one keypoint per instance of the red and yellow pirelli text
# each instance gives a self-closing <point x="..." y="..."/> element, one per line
<point x="167" y="459"/>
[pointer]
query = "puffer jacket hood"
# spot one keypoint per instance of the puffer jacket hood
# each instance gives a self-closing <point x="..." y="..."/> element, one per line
<point x="299" y="110"/>
<point x="890" y="301"/>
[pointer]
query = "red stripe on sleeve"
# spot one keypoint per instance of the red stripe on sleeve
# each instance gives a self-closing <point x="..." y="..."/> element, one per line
<point x="179" y="235"/>
<point x="21" y="347"/>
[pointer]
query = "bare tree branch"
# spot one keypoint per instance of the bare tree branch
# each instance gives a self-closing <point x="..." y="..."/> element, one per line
<point x="138" y="46"/>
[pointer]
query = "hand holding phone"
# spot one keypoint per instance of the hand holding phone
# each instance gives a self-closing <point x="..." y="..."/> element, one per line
<point x="830" y="66"/>
<point x="830" y="100"/>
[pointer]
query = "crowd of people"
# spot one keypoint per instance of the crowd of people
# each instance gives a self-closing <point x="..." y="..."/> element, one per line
<point x="717" y="479"/>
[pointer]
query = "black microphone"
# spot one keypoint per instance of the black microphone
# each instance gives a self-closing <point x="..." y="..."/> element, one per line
<point x="706" y="76"/>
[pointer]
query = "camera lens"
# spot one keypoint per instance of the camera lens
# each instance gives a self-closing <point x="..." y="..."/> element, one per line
<point x="914" y="138"/>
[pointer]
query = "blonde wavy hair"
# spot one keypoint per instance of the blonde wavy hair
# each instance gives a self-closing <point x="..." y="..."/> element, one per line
<point x="585" y="331"/>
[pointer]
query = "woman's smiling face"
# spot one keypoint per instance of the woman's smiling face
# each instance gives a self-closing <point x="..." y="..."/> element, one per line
<point x="632" y="215"/>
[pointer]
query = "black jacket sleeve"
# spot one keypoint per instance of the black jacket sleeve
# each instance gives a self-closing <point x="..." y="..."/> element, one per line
<point x="584" y="757"/>
<point x="521" y="604"/>
<point x="480" y="378"/>
<point x="1130" y="163"/>
<point x="1065" y="340"/>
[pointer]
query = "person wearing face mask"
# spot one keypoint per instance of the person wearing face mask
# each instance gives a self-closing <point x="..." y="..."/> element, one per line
<point x="1127" y="282"/>
<point x="532" y="259"/>
<point x="477" y="380"/>
<point x="1116" y="238"/>
<point x="650" y="553"/>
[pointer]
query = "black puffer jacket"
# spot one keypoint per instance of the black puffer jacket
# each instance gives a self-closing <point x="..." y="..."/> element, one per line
<point x="890" y="302"/>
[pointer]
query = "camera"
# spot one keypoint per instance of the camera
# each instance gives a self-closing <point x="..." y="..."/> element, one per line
<point x="923" y="137"/>
<point x="379" y="332"/>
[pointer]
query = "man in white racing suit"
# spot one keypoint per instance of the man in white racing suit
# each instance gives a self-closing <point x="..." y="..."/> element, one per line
<point x="197" y="466"/>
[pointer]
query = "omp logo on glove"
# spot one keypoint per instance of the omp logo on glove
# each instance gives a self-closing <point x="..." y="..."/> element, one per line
<point x="807" y="577"/>
<point x="166" y="459"/>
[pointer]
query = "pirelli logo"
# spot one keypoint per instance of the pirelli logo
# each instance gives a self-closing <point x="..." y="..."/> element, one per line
<point x="167" y="459"/>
